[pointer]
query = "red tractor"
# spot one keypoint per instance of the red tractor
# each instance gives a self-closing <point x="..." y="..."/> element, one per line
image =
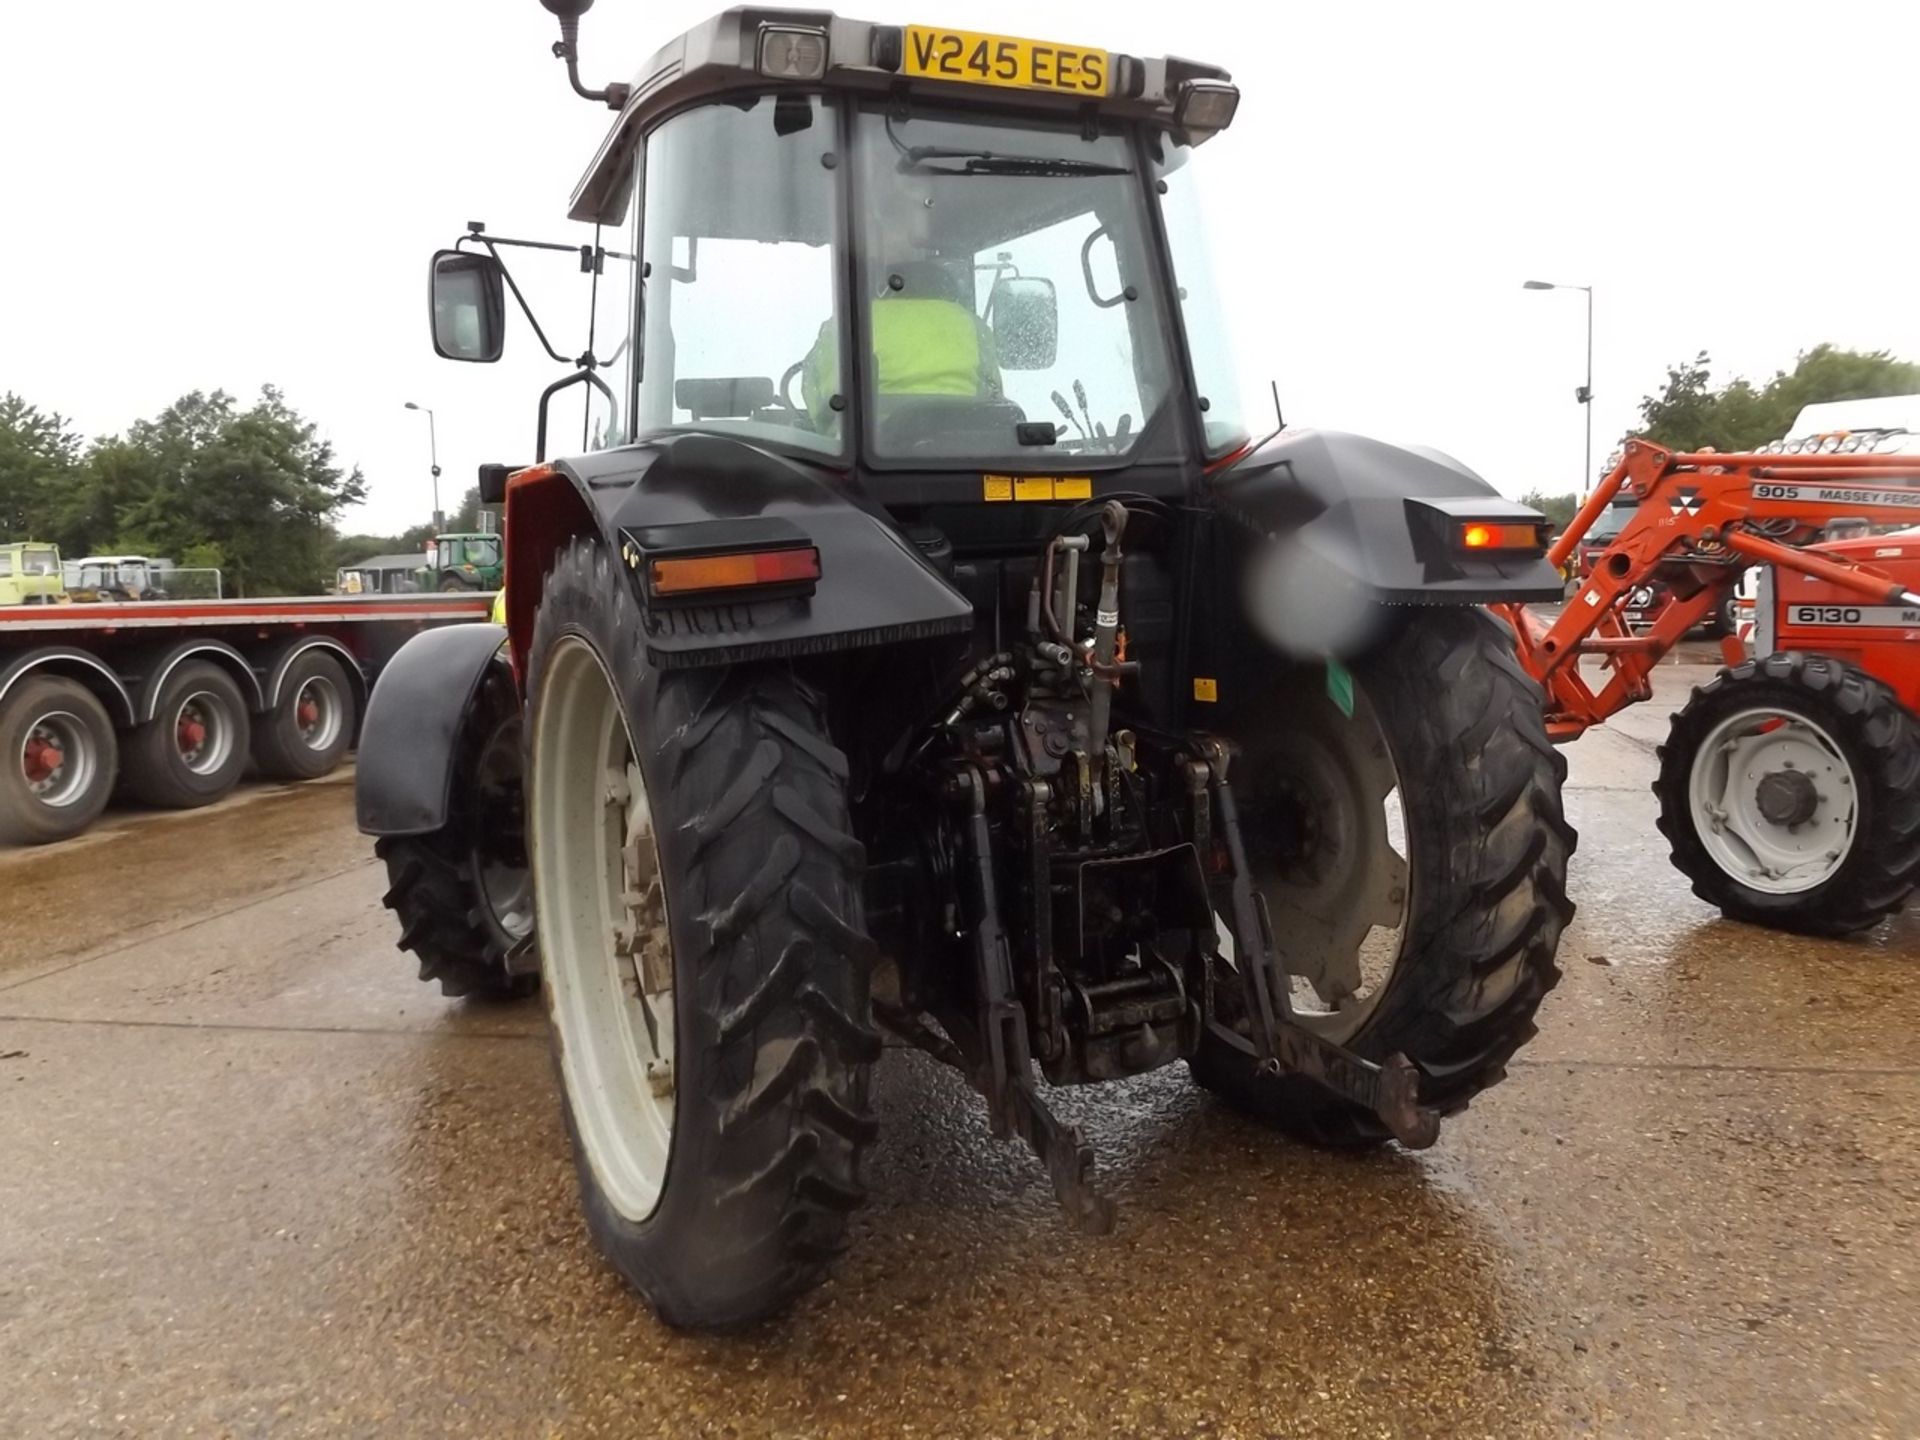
<point x="1790" y="783"/>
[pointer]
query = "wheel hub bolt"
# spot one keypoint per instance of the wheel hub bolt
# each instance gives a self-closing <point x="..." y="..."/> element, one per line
<point x="660" y="1078"/>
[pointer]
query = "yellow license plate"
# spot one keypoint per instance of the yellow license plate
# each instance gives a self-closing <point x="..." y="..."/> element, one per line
<point x="1002" y="60"/>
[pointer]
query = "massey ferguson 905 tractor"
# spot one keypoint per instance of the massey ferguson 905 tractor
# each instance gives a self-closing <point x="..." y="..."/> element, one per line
<point x="933" y="651"/>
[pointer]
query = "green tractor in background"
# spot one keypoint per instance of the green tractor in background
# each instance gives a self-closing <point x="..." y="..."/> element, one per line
<point x="462" y="562"/>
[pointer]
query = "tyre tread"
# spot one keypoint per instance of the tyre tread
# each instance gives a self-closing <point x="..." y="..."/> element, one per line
<point x="1463" y="1011"/>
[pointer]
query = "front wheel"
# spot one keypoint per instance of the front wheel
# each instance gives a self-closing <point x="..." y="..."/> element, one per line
<point x="1412" y="853"/>
<point x="697" y="888"/>
<point x="1789" y="790"/>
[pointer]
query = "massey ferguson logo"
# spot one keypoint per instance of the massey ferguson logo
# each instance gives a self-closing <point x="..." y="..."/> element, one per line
<point x="1907" y="497"/>
<point x="1685" y="502"/>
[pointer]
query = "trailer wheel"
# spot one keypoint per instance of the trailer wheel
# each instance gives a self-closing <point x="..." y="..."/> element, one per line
<point x="1418" y="917"/>
<point x="194" y="749"/>
<point x="462" y="893"/>
<point x="698" y="891"/>
<point x="57" y="760"/>
<point x="308" y="732"/>
<point x="1790" y="792"/>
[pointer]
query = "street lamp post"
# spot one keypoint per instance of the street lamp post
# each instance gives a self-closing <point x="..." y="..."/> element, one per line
<point x="1585" y="393"/>
<point x="433" y="457"/>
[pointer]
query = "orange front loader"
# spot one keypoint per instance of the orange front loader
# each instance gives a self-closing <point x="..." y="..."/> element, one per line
<point x="1790" y="785"/>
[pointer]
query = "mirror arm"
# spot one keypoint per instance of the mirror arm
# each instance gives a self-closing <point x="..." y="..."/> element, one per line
<point x="491" y="242"/>
<point x="618" y="351"/>
<point x="507" y="275"/>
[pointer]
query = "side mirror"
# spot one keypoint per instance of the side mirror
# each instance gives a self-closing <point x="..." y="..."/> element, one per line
<point x="1024" y="314"/>
<point x="469" y="307"/>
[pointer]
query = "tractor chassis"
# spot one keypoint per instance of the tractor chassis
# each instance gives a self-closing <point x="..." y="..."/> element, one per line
<point x="990" y="1042"/>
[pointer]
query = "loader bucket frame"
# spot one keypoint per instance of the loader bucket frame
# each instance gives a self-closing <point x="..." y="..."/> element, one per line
<point x="1705" y="517"/>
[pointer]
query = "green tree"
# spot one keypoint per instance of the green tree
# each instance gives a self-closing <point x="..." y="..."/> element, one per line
<point x="466" y="519"/>
<point x="1559" y="509"/>
<point x="258" y="484"/>
<point x="348" y="549"/>
<point x="1690" y="414"/>
<point x="39" y="467"/>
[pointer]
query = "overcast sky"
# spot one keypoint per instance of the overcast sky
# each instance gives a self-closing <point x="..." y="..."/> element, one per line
<point x="206" y="193"/>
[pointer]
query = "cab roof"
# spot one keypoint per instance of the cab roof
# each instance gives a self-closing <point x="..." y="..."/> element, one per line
<point x="763" y="48"/>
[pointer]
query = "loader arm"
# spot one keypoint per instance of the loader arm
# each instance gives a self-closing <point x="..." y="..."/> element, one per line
<point x="1709" y="515"/>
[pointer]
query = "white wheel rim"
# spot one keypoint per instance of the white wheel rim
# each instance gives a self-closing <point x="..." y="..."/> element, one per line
<point x="203" y="732"/>
<point x="316" y="713"/>
<point x="602" y="925"/>
<point x="505" y="887"/>
<point x="1357" y="929"/>
<point x="57" y="759"/>
<point x="1751" y="841"/>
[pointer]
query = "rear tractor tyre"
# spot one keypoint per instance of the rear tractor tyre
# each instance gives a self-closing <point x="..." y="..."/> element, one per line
<point x="1430" y="932"/>
<point x="58" y="756"/>
<point x="1789" y="790"/>
<point x="310" y="728"/>
<point x="462" y="893"/>
<point x="698" y="893"/>
<point x="194" y="749"/>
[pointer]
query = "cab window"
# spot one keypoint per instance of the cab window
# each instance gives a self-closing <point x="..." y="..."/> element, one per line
<point x="1007" y="280"/>
<point x="740" y="244"/>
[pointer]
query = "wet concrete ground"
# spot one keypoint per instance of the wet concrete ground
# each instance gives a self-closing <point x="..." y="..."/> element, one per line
<point x="255" y="1180"/>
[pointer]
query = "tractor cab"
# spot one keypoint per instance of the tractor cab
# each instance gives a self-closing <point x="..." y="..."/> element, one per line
<point x="903" y="250"/>
<point x="111" y="578"/>
<point x="30" y="575"/>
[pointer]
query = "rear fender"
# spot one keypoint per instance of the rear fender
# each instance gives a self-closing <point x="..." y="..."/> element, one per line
<point x="274" y="672"/>
<point x="1377" y="519"/>
<point x="89" y="670"/>
<point x="404" y="777"/>
<point x="215" y="652"/>
<point x="874" y="587"/>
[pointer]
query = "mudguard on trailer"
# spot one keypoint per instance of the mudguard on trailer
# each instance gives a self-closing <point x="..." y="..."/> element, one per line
<point x="1382" y="518"/>
<point x="695" y="494"/>
<point x="404" y="776"/>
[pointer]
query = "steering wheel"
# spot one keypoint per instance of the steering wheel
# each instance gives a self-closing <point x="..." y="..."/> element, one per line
<point x="786" y="384"/>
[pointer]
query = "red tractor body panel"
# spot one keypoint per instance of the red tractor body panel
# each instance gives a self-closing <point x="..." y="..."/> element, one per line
<point x="1807" y="613"/>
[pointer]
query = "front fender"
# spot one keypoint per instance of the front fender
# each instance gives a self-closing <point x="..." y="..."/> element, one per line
<point x="1379" y="516"/>
<point x="404" y="776"/>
